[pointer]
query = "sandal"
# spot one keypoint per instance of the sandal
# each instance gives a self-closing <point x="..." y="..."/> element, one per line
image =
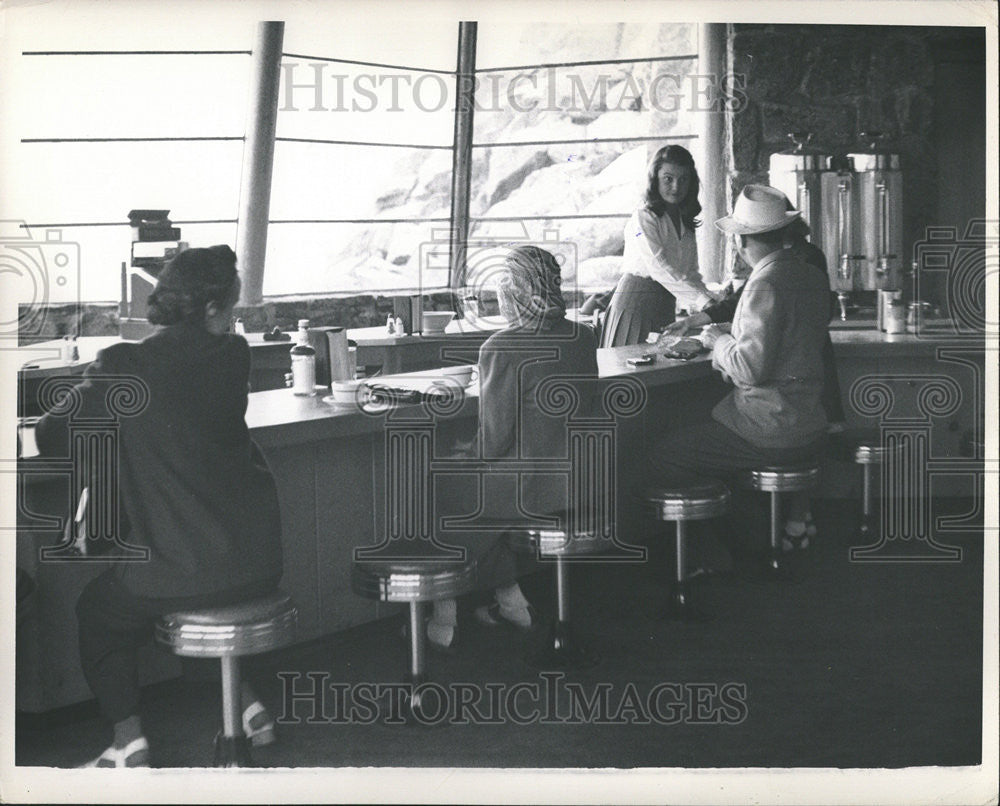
<point x="263" y="734"/>
<point x="119" y="756"/>
<point x="491" y="616"/>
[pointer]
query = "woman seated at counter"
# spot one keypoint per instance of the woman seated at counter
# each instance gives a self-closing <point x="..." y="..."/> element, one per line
<point x="660" y="262"/>
<point x="194" y="490"/>
<point x="539" y="343"/>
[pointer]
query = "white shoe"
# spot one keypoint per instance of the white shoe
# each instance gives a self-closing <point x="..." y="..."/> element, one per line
<point x="119" y="756"/>
<point x="263" y="734"/>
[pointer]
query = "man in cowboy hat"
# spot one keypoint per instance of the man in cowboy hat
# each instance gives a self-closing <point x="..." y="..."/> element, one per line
<point x="772" y="356"/>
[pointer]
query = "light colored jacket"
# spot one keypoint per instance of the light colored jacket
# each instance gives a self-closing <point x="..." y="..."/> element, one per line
<point x="774" y="355"/>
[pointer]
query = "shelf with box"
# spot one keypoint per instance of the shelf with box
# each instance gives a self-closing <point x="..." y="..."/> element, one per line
<point x="155" y="241"/>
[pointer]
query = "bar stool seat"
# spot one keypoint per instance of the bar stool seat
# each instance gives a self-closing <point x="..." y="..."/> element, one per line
<point x="688" y="500"/>
<point x="414" y="581"/>
<point x="860" y="445"/>
<point x="778" y="479"/>
<point x="561" y="649"/>
<point x="228" y="633"/>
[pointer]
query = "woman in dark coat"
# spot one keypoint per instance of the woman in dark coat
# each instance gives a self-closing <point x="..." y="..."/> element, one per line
<point x="195" y="494"/>
<point x="514" y="426"/>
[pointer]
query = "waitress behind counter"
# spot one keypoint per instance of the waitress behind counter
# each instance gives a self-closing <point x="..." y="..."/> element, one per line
<point x="660" y="262"/>
<point x="195" y="492"/>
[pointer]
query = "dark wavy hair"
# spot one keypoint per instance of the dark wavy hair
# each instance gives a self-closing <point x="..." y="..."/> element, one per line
<point x="689" y="207"/>
<point x="189" y="282"/>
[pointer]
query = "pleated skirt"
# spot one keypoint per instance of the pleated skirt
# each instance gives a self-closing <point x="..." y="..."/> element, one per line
<point x="639" y="306"/>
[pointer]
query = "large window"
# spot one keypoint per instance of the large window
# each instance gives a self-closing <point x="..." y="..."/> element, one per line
<point x="565" y="119"/>
<point x="363" y="155"/>
<point x="101" y="118"/>
<point x="150" y="113"/>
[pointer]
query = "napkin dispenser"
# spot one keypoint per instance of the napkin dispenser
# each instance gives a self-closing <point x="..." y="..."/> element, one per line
<point x="333" y="354"/>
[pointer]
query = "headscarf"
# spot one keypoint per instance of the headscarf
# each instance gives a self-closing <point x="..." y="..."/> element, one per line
<point x="529" y="289"/>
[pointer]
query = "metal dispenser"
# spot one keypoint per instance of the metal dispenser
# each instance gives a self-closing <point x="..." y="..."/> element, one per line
<point x="839" y="232"/>
<point x="880" y="223"/>
<point x="796" y="173"/>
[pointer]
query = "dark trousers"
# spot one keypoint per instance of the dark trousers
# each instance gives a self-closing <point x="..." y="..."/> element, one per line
<point x="833" y="406"/>
<point x="114" y="623"/>
<point x="710" y="450"/>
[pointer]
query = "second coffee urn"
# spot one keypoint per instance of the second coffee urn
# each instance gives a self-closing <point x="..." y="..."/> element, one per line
<point x="880" y="220"/>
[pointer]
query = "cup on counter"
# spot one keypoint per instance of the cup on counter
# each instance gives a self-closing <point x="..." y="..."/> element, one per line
<point x="884" y="298"/>
<point x="462" y="375"/>
<point x="895" y="317"/>
<point x="346" y="394"/>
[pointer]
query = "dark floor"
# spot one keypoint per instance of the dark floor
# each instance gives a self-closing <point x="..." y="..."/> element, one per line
<point x="849" y="665"/>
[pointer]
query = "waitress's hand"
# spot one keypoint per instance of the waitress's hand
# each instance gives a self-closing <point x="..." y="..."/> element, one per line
<point x="682" y="326"/>
<point x="710" y="335"/>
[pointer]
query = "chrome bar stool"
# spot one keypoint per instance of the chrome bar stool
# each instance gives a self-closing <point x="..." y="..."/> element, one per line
<point x="778" y="479"/>
<point x="864" y="447"/>
<point x="227" y="633"/>
<point x="415" y="581"/>
<point x="561" y="649"/>
<point x="692" y="500"/>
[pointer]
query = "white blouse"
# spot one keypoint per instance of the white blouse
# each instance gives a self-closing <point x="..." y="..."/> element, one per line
<point x="652" y="249"/>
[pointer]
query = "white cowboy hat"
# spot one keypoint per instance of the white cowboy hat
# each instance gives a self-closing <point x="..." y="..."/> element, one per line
<point x="758" y="208"/>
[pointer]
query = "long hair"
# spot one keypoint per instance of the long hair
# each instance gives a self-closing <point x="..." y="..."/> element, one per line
<point x="189" y="282"/>
<point x="529" y="289"/>
<point x="689" y="206"/>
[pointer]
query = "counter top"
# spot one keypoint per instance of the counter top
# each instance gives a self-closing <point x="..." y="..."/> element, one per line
<point x="300" y="419"/>
<point x="280" y="417"/>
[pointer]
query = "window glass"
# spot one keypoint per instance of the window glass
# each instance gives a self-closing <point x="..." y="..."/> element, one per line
<point x="565" y="146"/>
<point x="326" y="258"/>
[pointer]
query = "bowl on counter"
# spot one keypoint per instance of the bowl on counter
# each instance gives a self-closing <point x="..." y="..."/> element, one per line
<point x="348" y="394"/>
<point x="461" y="375"/>
<point x="436" y="321"/>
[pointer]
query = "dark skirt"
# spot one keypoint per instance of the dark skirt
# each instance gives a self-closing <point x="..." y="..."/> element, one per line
<point x="640" y="305"/>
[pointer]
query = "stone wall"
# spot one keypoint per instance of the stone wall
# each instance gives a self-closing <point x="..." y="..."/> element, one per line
<point x="837" y="81"/>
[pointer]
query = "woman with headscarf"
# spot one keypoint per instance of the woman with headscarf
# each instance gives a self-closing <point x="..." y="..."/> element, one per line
<point x="538" y="343"/>
<point x="660" y="262"/>
<point x="195" y="492"/>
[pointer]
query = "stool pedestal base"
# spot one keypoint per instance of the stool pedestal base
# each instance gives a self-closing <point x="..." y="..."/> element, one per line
<point x="680" y="608"/>
<point x="232" y="751"/>
<point x="562" y="650"/>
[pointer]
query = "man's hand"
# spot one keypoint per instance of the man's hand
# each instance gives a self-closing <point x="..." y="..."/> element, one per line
<point x="711" y="333"/>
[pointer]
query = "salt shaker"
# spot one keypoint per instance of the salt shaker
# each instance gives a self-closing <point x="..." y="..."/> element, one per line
<point x="70" y="350"/>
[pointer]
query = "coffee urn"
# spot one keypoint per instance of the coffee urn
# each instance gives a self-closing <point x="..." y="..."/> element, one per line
<point x="796" y="173"/>
<point x="839" y="233"/>
<point x="880" y="222"/>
